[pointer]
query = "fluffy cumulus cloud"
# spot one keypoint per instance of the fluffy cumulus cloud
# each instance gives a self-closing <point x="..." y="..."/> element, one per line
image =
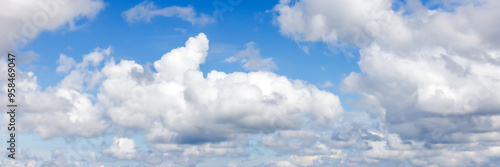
<point x="182" y="113"/>
<point x="177" y="104"/>
<point x="50" y="111"/>
<point x="147" y="10"/>
<point x="429" y="75"/>
<point x="23" y="21"/>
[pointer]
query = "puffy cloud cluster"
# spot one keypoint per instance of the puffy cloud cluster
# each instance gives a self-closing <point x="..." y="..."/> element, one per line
<point x="182" y="113"/>
<point x="177" y="104"/>
<point x="23" y="21"/>
<point x="430" y="75"/>
<point x="66" y="109"/>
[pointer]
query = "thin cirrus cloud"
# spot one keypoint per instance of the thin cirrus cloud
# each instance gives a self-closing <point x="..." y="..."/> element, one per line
<point x="430" y="75"/>
<point x="144" y="11"/>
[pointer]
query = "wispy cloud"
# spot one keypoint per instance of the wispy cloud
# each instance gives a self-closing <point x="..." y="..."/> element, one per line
<point x="251" y="60"/>
<point x="327" y="84"/>
<point x="147" y="10"/>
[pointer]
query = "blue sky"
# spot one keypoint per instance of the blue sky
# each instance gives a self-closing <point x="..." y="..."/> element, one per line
<point x="300" y="83"/>
<point x="145" y="42"/>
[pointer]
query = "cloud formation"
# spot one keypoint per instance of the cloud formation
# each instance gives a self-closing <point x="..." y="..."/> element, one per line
<point x="66" y="109"/>
<point x="179" y="105"/>
<point x="428" y="74"/>
<point x="428" y="86"/>
<point x="182" y="113"/>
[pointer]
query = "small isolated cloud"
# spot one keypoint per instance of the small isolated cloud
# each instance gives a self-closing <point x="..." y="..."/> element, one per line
<point x="251" y="60"/>
<point x="180" y="30"/>
<point x="327" y="84"/>
<point x="147" y="10"/>
<point x="122" y="148"/>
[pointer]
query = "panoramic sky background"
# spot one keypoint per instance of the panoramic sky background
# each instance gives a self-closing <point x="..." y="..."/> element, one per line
<point x="253" y="83"/>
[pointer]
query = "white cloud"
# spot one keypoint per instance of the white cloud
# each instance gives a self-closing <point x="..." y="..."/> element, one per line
<point x="181" y="30"/>
<point x="24" y="20"/>
<point x="182" y="113"/>
<point x="442" y="81"/>
<point x="427" y="74"/>
<point x="95" y="57"/>
<point x="147" y="10"/>
<point x="65" y="63"/>
<point x="122" y="148"/>
<point x="327" y="84"/>
<point x="66" y="109"/>
<point x="329" y="21"/>
<point x="251" y="60"/>
<point x="188" y="108"/>
<point x="283" y="164"/>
